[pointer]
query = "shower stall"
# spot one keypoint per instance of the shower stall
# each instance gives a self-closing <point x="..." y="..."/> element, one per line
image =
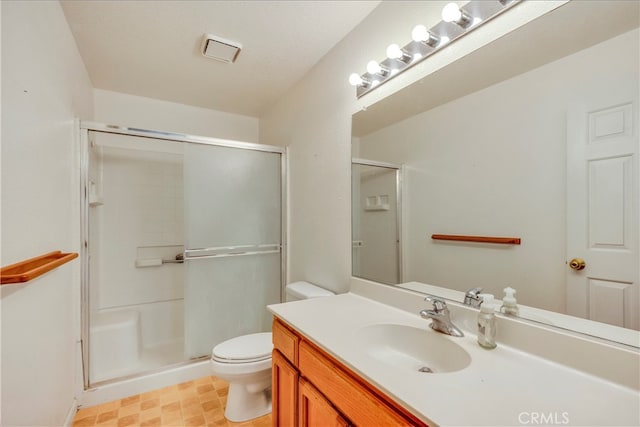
<point x="376" y="221"/>
<point x="182" y="247"/>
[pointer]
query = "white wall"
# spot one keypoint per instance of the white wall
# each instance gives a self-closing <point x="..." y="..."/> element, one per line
<point x="146" y="113"/>
<point x="493" y="163"/>
<point x="314" y="121"/>
<point x="44" y="86"/>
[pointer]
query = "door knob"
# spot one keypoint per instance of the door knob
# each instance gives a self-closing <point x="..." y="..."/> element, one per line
<point x="577" y="264"/>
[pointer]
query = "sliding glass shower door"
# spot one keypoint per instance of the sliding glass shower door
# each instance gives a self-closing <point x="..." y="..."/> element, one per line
<point x="232" y="243"/>
<point x="182" y="246"/>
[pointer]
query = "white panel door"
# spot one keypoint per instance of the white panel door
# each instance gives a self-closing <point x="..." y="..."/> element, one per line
<point x="602" y="212"/>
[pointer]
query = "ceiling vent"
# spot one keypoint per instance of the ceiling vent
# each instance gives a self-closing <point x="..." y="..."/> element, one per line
<point x="220" y="49"/>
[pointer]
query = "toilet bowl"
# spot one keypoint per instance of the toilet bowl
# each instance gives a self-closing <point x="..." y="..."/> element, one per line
<point x="245" y="362"/>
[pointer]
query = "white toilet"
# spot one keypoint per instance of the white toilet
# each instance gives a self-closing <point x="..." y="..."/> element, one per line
<point x="245" y="362"/>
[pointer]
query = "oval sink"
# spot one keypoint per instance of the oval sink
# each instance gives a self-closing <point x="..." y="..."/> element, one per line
<point x="408" y="348"/>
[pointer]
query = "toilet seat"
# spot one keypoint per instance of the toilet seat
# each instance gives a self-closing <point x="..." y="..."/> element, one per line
<point x="244" y="349"/>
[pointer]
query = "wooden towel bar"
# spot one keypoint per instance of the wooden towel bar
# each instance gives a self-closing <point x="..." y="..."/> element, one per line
<point x="29" y="269"/>
<point x="481" y="239"/>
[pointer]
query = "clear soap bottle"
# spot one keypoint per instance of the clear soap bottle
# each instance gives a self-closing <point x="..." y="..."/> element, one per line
<point x="509" y="303"/>
<point x="487" y="323"/>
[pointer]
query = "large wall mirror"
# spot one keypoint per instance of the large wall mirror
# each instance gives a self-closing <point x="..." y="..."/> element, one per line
<point x="534" y="136"/>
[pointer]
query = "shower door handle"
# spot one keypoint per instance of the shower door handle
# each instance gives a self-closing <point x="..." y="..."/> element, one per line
<point x="228" y="251"/>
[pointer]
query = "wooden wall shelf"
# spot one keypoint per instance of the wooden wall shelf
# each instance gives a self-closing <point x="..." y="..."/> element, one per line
<point x="479" y="239"/>
<point x="29" y="269"/>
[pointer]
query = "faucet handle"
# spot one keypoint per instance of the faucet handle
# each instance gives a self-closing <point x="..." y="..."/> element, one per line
<point x="472" y="297"/>
<point x="475" y="291"/>
<point x="438" y="304"/>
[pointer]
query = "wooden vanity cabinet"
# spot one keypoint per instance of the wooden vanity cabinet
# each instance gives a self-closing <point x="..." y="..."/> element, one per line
<point x="311" y="388"/>
<point x="284" y="391"/>
<point x="315" y="410"/>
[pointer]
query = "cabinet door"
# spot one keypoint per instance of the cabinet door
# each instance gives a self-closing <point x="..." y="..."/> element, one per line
<point x="284" y="392"/>
<point x="357" y="400"/>
<point x="314" y="410"/>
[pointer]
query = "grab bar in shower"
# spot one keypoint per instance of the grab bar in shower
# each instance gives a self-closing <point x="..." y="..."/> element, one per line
<point x="228" y="251"/>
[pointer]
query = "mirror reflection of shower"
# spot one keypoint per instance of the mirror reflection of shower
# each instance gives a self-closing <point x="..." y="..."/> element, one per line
<point x="376" y="226"/>
<point x="166" y="281"/>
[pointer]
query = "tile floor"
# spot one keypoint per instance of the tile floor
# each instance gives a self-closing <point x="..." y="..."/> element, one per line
<point x="190" y="404"/>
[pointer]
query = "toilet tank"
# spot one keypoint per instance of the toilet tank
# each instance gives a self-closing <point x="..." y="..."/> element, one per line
<point x="305" y="290"/>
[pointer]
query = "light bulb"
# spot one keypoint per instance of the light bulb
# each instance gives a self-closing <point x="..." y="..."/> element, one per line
<point x="373" y="67"/>
<point x="355" y="79"/>
<point x="394" y="51"/>
<point x="451" y="13"/>
<point x="419" y="33"/>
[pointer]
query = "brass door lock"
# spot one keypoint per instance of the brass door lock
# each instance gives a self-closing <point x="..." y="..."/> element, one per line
<point x="577" y="264"/>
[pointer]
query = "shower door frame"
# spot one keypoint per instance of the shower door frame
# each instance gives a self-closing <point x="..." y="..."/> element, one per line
<point x="84" y="128"/>
<point x="399" y="211"/>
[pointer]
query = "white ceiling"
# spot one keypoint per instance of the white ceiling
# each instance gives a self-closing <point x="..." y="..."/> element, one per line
<point x="152" y="48"/>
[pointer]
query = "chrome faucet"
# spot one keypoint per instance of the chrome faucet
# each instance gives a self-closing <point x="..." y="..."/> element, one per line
<point x="473" y="298"/>
<point x="441" y="321"/>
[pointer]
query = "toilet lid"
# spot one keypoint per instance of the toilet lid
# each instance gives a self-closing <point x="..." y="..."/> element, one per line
<point x="244" y="349"/>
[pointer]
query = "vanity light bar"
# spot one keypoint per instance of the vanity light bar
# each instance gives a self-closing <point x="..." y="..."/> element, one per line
<point x="456" y="22"/>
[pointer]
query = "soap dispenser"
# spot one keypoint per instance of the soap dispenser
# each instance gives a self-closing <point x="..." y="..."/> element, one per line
<point x="509" y="303"/>
<point x="487" y="323"/>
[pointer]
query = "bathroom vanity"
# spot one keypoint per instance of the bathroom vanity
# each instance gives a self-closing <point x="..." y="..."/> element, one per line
<point x="312" y="388"/>
<point x="367" y="358"/>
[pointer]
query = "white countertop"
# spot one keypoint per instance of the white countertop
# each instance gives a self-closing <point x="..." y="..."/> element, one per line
<point x="501" y="387"/>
